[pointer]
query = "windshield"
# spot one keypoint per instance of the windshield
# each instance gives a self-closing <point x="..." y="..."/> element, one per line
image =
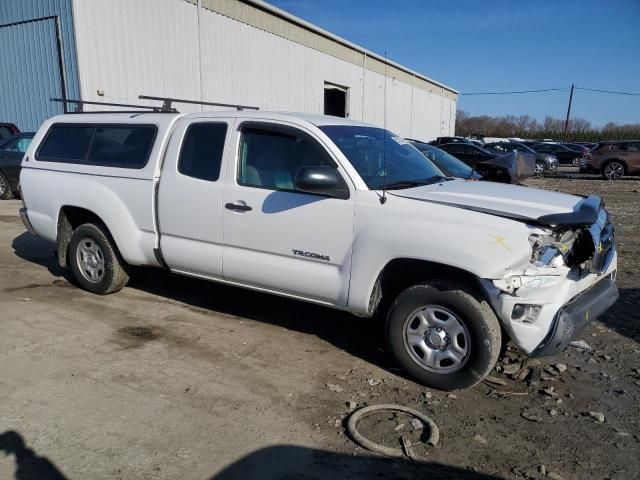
<point x="447" y="162"/>
<point x="382" y="159"/>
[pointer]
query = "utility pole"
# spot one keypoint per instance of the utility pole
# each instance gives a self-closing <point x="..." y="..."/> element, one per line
<point x="566" y="122"/>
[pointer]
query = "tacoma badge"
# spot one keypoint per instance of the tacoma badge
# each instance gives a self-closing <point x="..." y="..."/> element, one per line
<point x="317" y="256"/>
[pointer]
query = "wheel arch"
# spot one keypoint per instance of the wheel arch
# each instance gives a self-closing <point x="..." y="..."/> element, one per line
<point x="71" y="217"/>
<point x="400" y="273"/>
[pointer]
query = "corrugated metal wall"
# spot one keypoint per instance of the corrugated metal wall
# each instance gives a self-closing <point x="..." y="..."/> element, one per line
<point x="156" y="47"/>
<point x="29" y="67"/>
<point x="131" y="47"/>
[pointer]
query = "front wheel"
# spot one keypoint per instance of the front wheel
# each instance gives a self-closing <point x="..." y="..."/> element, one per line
<point x="95" y="261"/>
<point x="443" y="334"/>
<point x="540" y="168"/>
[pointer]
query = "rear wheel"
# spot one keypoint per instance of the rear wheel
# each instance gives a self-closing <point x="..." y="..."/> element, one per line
<point x="95" y="261"/>
<point x="612" y="170"/>
<point x="540" y="168"/>
<point x="443" y="334"/>
<point x="5" y="188"/>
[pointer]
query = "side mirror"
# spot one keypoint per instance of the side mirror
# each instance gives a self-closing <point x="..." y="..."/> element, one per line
<point x="320" y="180"/>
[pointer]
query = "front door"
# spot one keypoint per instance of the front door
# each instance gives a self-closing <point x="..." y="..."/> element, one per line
<point x="276" y="237"/>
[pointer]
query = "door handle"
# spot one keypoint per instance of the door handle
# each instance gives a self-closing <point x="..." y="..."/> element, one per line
<point x="237" y="207"/>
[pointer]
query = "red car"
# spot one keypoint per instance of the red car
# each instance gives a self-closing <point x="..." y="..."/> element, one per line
<point x="614" y="159"/>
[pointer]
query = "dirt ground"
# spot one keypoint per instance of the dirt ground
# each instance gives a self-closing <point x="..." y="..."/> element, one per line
<point x="175" y="378"/>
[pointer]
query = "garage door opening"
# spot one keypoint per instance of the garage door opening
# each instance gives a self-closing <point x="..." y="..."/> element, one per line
<point x="335" y="100"/>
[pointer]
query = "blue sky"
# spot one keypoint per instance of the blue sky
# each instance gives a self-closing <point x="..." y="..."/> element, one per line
<point x="502" y="45"/>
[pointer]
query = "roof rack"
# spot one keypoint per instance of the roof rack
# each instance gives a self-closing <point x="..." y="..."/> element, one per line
<point x="165" y="108"/>
<point x="81" y="103"/>
<point x="166" y="103"/>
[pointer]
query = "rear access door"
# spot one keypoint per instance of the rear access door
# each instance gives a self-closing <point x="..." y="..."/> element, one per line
<point x="190" y="196"/>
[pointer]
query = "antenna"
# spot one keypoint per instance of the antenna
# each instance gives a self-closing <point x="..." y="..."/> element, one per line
<point x="383" y="198"/>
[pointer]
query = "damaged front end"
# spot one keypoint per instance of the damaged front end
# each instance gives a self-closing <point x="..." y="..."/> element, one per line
<point x="568" y="280"/>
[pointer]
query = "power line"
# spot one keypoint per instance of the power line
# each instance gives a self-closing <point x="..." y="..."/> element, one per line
<point x="564" y="89"/>
<point x="608" y="91"/>
<point x="520" y="91"/>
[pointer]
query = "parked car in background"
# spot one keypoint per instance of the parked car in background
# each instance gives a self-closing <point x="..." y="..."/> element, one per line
<point x="544" y="161"/>
<point x="447" y="163"/>
<point x="564" y="154"/>
<point x="589" y="145"/>
<point x="468" y="152"/>
<point x="577" y="147"/>
<point x="613" y="159"/>
<point x="504" y="168"/>
<point x="443" y="140"/>
<point x="7" y="130"/>
<point x="11" y="153"/>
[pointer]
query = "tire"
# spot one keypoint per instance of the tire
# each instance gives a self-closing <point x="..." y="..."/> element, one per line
<point x="480" y="338"/>
<point x="540" y="168"/>
<point x="575" y="162"/>
<point x="95" y="262"/>
<point x="613" y="169"/>
<point x="5" y="188"/>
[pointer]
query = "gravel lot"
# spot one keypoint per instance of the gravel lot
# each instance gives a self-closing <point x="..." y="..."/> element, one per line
<point x="179" y="378"/>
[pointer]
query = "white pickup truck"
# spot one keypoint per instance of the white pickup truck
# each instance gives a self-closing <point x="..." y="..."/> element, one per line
<point x="329" y="211"/>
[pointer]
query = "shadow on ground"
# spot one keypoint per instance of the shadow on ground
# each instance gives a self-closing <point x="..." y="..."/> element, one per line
<point x="277" y="462"/>
<point x="294" y="462"/>
<point x="37" y="250"/>
<point x="29" y="466"/>
<point x="359" y="337"/>
<point x="624" y="315"/>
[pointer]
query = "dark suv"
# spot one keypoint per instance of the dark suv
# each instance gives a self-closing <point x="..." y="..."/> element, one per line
<point x="614" y="159"/>
<point x="443" y="140"/>
<point x="565" y="155"/>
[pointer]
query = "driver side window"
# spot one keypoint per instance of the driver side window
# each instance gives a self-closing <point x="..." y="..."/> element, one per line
<point x="271" y="158"/>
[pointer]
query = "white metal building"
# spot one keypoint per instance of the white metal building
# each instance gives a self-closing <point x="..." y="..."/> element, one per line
<point x="246" y="52"/>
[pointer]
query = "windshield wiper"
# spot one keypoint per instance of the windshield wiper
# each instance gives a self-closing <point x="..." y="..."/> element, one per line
<point x="412" y="183"/>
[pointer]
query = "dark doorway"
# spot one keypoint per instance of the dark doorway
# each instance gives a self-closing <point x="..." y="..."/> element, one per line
<point x="335" y="100"/>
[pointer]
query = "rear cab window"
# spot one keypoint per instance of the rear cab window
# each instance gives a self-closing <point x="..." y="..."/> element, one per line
<point x="202" y="150"/>
<point x="109" y="145"/>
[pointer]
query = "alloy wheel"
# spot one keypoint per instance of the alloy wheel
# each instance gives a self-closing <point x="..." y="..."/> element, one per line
<point x="613" y="170"/>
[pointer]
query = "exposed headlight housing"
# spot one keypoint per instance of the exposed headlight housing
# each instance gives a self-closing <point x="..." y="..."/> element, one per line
<point x="552" y="250"/>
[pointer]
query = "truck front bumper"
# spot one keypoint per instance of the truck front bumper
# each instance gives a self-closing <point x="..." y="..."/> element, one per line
<point x="560" y="301"/>
<point x="575" y="315"/>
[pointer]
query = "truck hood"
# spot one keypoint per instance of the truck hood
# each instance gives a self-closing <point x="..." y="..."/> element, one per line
<point x="511" y="201"/>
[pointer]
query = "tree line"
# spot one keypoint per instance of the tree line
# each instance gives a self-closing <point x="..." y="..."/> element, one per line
<point x="525" y="126"/>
